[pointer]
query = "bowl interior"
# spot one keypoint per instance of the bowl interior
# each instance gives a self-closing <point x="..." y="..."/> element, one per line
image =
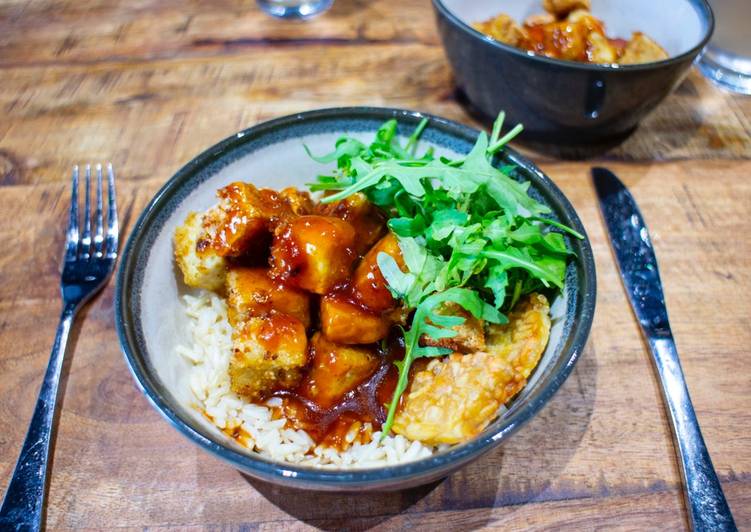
<point x="677" y="25"/>
<point x="151" y="318"/>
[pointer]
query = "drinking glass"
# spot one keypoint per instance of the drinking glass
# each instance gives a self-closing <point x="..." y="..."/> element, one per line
<point x="299" y="9"/>
<point x="727" y="58"/>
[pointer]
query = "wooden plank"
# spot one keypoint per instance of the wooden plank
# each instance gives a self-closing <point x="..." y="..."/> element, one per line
<point x="92" y="31"/>
<point x="601" y="448"/>
<point x="150" y="84"/>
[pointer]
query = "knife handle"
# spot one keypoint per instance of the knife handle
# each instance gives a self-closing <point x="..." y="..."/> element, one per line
<point x="706" y="501"/>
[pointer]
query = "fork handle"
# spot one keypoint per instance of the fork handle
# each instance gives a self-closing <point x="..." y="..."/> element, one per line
<point x="23" y="505"/>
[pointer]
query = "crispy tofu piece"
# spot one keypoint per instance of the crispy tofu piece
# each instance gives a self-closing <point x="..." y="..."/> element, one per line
<point x="368" y="284"/>
<point x="336" y="370"/>
<point x="456" y="397"/>
<point x="251" y="292"/>
<point x="242" y="218"/>
<point x="470" y="335"/>
<point x="367" y="219"/>
<point x="299" y="201"/>
<point x="642" y="49"/>
<point x="539" y="19"/>
<point x="600" y="50"/>
<point x="347" y="323"/>
<point x="313" y="252"/>
<point x="200" y="270"/>
<point x="268" y="354"/>
<point x="561" y="8"/>
<point x="501" y="28"/>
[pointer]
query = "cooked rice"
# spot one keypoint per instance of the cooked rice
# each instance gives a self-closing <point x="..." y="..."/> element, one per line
<point x="256" y="426"/>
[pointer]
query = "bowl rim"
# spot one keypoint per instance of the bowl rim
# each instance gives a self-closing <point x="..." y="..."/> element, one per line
<point x="441" y="8"/>
<point x="409" y="473"/>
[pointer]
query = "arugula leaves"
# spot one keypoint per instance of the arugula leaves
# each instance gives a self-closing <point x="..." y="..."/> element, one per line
<point x="469" y="232"/>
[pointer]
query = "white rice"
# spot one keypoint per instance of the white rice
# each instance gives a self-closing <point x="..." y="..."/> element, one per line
<point x="209" y="352"/>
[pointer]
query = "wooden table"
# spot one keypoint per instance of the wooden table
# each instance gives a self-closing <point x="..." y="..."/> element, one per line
<point x="148" y="84"/>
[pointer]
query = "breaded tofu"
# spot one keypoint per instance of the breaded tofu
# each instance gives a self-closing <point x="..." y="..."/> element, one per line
<point x="299" y="201"/>
<point x="268" y="354"/>
<point x="251" y="292"/>
<point x="314" y="253"/>
<point x="242" y="217"/>
<point x="642" y="49"/>
<point x="456" y="397"/>
<point x="561" y="8"/>
<point x="335" y="370"/>
<point x="200" y="270"/>
<point x="539" y="19"/>
<point x="368" y="284"/>
<point x="501" y="28"/>
<point x="347" y="323"/>
<point x="368" y="220"/>
<point x="600" y="50"/>
<point x="470" y="335"/>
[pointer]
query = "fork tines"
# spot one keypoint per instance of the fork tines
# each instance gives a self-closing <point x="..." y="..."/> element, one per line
<point x="80" y="245"/>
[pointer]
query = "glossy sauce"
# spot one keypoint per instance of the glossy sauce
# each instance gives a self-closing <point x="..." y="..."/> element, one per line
<point x="243" y="223"/>
<point x="567" y="40"/>
<point x="367" y="219"/>
<point x="369" y="287"/>
<point x="281" y="332"/>
<point x="313" y="252"/>
<point x="364" y="404"/>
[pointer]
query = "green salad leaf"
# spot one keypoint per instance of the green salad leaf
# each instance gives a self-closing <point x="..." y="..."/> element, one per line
<point x="470" y="233"/>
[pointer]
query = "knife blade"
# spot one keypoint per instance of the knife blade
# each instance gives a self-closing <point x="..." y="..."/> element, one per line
<point x="635" y="256"/>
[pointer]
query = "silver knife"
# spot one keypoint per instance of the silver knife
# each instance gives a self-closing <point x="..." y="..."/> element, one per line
<point x="636" y="259"/>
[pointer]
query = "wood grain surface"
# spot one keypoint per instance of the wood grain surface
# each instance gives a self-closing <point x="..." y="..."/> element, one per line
<point x="148" y="84"/>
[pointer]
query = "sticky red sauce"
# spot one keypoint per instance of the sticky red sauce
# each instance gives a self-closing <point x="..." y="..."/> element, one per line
<point x="279" y="331"/>
<point x="313" y="252"/>
<point x="367" y="403"/>
<point x="243" y="223"/>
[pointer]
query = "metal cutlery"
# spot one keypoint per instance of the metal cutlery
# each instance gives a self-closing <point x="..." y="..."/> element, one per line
<point x="708" y="508"/>
<point x="88" y="263"/>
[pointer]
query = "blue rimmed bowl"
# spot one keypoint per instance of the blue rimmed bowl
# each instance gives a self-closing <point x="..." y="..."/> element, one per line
<point x="150" y="319"/>
<point x="576" y="108"/>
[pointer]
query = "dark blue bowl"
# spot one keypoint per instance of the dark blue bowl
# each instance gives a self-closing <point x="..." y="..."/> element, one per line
<point x="147" y="309"/>
<point x="565" y="103"/>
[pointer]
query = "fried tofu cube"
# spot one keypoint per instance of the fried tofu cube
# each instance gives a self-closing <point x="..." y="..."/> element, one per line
<point x="600" y="50"/>
<point x="268" y="354"/>
<point x="251" y="292"/>
<point x="336" y="370"/>
<point x="368" y="284"/>
<point x="539" y="19"/>
<point x="642" y="49"/>
<point x="470" y="335"/>
<point x="367" y="219"/>
<point x="200" y="270"/>
<point x="241" y="219"/>
<point x="345" y="322"/>
<point x="299" y="201"/>
<point x="501" y="28"/>
<point x="561" y="8"/>
<point x="313" y="252"/>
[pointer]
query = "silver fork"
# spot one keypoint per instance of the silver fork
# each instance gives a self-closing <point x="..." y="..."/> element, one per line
<point x="88" y="263"/>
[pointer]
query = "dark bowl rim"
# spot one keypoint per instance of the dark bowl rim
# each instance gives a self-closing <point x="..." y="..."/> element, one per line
<point x="591" y="67"/>
<point x="302" y="476"/>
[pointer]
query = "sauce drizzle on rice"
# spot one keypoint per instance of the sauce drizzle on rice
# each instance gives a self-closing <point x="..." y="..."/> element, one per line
<point x="361" y="405"/>
<point x="321" y="327"/>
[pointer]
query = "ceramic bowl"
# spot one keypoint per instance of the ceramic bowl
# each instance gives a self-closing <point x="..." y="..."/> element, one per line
<point x="565" y="103"/>
<point x="151" y="322"/>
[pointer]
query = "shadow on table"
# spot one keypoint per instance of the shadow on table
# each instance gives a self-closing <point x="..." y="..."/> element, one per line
<point x="522" y="470"/>
<point x="350" y="511"/>
<point x="667" y="129"/>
